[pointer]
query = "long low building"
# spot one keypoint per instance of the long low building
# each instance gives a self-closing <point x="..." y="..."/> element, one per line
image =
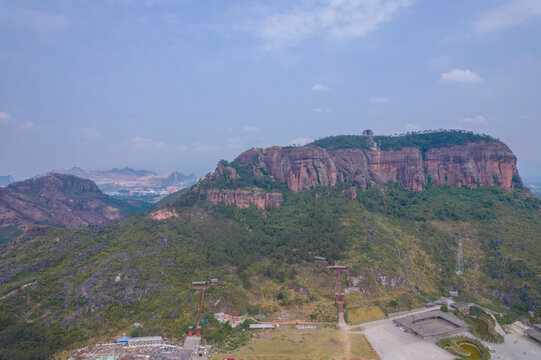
<point x="432" y="324"/>
<point x="145" y="340"/>
<point x="262" y="326"/>
<point x="534" y="333"/>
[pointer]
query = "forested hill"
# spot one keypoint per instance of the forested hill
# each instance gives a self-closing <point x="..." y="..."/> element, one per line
<point x="421" y="140"/>
<point x="58" y="200"/>
<point x="94" y="282"/>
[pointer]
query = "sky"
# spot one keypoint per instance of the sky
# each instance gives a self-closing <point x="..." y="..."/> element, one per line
<point x="178" y="85"/>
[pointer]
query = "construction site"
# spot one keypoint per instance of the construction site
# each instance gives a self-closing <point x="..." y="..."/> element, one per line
<point x="154" y="347"/>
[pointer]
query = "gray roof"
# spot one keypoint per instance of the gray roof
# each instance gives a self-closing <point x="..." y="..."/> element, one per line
<point x="461" y="304"/>
<point x="262" y="326"/>
<point x="416" y="322"/>
<point x="533" y="333"/>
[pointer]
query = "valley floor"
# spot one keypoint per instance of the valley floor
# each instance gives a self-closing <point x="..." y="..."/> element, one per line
<point x="381" y="339"/>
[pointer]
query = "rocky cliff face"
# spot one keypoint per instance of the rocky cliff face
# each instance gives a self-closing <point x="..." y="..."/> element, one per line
<point x="473" y="164"/>
<point x="243" y="198"/>
<point x="300" y="167"/>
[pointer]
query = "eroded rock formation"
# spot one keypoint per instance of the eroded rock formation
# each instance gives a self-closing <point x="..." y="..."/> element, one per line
<point x="243" y="198"/>
<point x="473" y="164"/>
<point x="483" y="163"/>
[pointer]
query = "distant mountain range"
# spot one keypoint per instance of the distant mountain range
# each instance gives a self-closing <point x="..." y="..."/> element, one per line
<point x="128" y="183"/>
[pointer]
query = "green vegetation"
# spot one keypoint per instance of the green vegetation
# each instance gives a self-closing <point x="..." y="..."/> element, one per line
<point x="287" y="342"/>
<point x="247" y="177"/>
<point x="422" y="140"/>
<point x="102" y="279"/>
<point x="31" y="341"/>
<point x="482" y="325"/>
<point x="465" y="348"/>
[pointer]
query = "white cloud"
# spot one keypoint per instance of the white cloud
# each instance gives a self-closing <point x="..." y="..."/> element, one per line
<point x="43" y="24"/>
<point x="320" y="87"/>
<point x="28" y="125"/>
<point x="461" y="76"/>
<point x="412" y="127"/>
<point x="510" y="14"/>
<point x="440" y="61"/>
<point x="472" y="120"/>
<point x="338" y="19"/>
<point x="235" y="142"/>
<point x="144" y="143"/>
<point x="327" y="110"/>
<point x="87" y="133"/>
<point x="250" y="129"/>
<point x="5" y="117"/>
<point x="300" y="141"/>
<point x="380" y="100"/>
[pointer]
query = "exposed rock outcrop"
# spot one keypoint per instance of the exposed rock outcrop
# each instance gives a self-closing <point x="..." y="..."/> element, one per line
<point x="300" y="167"/>
<point x="473" y="164"/>
<point x="483" y="162"/>
<point x="243" y="198"/>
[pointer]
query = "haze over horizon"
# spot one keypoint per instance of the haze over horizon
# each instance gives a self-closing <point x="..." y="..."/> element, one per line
<point x="178" y="85"/>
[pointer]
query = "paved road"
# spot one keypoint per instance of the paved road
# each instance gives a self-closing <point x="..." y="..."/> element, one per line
<point x="391" y="343"/>
<point x="362" y="327"/>
<point x="191" y="342"/>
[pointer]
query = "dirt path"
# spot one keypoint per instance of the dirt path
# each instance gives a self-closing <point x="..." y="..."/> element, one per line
<point x="347" y="342"/>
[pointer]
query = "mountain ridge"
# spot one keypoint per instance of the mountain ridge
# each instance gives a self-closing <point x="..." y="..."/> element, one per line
<point x="95" y="282"/>
<point x="413" y="161"/>
<point x="59" y="200"/>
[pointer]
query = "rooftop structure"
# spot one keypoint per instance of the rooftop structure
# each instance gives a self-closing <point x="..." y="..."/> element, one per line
<point x="534" y="333"/>
<point x="432" y="324"/>
<point x="461" y="306"/>
<point x="123" y="339"/>
<point x="337" y="267"/>
<point x="145" y="340"/>
<point x="262" y="326"/>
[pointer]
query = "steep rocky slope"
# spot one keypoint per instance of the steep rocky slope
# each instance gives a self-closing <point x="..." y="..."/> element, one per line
<point x="59" y="200"/>
<point x="471" y="160"/>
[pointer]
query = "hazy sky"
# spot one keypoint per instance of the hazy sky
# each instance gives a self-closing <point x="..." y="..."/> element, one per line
<point x="179" y="85"/>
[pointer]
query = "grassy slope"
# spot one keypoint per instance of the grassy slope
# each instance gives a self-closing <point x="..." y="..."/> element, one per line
<point x="99" y="280"/>
<point x="290" y="343"/>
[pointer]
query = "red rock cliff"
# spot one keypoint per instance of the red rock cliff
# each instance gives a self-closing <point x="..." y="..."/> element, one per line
<point x="473" y="164"/>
